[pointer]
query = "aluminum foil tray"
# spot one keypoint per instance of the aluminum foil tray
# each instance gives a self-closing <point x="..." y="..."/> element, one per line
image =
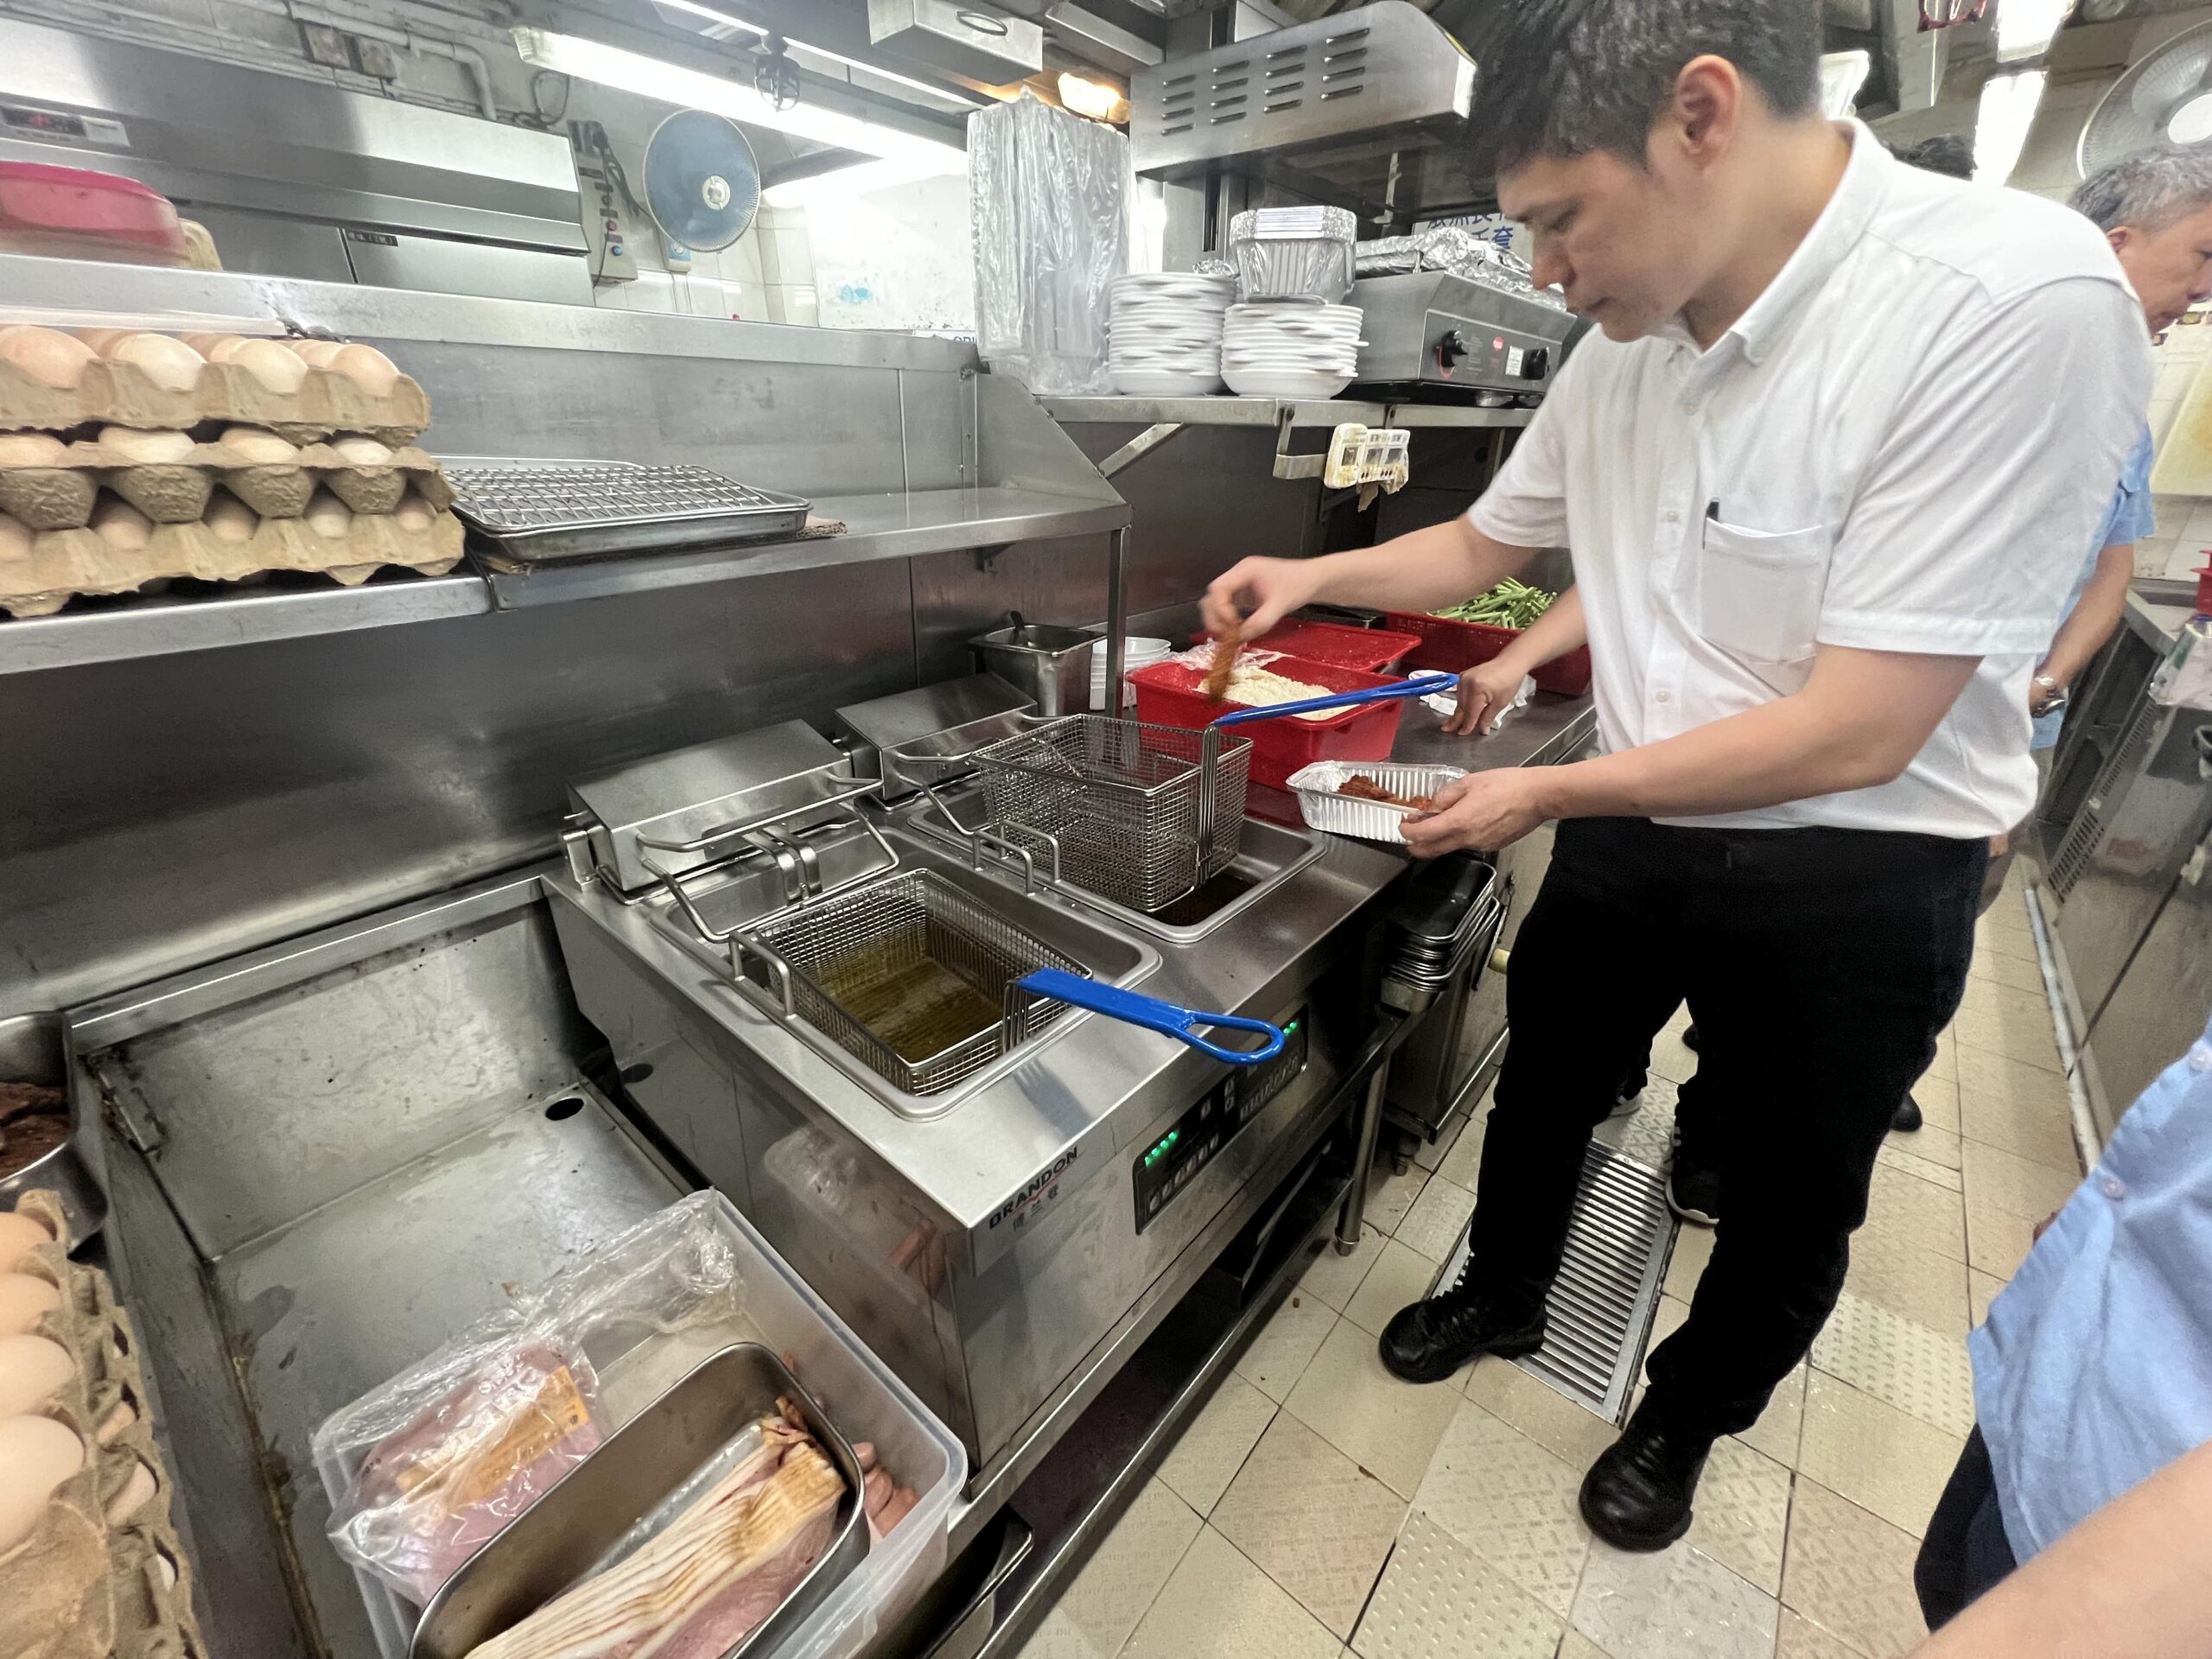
<point x="1322" y="808"/>
<point x="538" y="511"/>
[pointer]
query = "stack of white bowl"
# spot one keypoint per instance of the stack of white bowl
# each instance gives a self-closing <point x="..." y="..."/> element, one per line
<point x="1165" y="338"/>
<point x="1139" y="651"/>
<point x="1290" y="348"/>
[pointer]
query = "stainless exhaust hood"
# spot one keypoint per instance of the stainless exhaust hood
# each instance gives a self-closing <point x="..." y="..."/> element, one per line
<point x="1367" y="109"/>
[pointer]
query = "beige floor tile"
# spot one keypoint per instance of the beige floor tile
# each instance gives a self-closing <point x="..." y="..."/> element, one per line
<point x="2005" y="930"/>
<point x="1439" y="1599"/>
<point x="1946" y="1062"/>
<point x="1679" y="1603"/>
<point x="1938" y="1095"/>
<point x="1897" y="1154"/>
<point x="1219" y="1606"/>
<point x="2017" y="973"/>
<point x="1463" y="1166"/>
<point x="1511" y="1502"/>
<point x="1671" y="1056"/>
<point x="1850" y="1572"/>
<point x="1540" y="1411"/>
<point x="1929" y="1142"/>
<point x="1400" y="1277"/>
<point x="1645" y="1136"/>
<point x="1925" y="1286"/>
<point x="2006" y="1028"/>
<point x="1215" y="1443"/>
<point x="2016" y="1185"/>
<point x="1916" y="1213"/>
<point x="1312" y="1520"/>
<point x="1997" y="1240"/>
<point x="1781" y="1424"/>
<point x="1334" y="1278"/>
<point x="1692" y="1249"/>
<point x="1981" y="1290"/>
<point x="1389" y="1427"/>
<point x="1282" y="1348"/>
<point x="1430" y="1155"/>
<point x="1059" y="1637"/>
<point x="1799" y="1638"/>
<point x="1898" y="1362"/>
<point x="1742" y="1513"/>
<point x="2041" y="1131"/>
<point x="1389" y="1195"/>
<point x="1438" y="1218"/>
<point x="1575" y="1645"/>
<point x="1127" y="1570"/>
<point x="1880" y="1457"/>
<point x="2014" y="1082"/>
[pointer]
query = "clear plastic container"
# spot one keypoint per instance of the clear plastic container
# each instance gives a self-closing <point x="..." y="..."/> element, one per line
<point x="856" y="1390"/>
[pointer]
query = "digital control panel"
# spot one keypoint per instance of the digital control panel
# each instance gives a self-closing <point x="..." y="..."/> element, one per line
<point x="1165" y="1168"/>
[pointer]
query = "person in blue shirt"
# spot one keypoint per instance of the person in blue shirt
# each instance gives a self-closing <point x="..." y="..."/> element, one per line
<point x="2094" y="1370"/>
<point x="2155" y="207"/>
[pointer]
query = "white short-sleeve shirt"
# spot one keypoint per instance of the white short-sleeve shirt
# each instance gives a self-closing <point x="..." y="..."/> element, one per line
<point x="1903" y="445"/>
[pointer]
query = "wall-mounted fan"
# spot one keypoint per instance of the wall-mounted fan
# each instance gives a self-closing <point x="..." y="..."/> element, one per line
<point x="2167" y="95"/>
<point x="702" y="185"/>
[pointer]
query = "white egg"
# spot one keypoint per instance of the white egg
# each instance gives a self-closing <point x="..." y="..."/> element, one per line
<point x="121" y="525"/>
<point x="32" y="1370"/>
<point x="145" y="447"/>
<point x="362" y="452"/>
<point x="317" y="352"/>
<point x="24" y="1301"/>
<point x="37" y="1455"/>
<point x="19" y="1235"/>
<point x="169" y="364"/>
<point x="46" y="355"/>
<point x="229" y="519"/>
<point x="267" y="361"/>
<point x="328" y="516"/>
<point x="259" y="445"/>
<point x="367" y="367"/>
<point x="31" y="449"/>
<point x="137" y="1489"/>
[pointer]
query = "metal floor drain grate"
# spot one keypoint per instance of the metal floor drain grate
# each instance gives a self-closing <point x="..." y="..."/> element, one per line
<point x="1608" y="1287"/>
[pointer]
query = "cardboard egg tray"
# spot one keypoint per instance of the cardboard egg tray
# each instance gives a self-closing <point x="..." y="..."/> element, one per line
<point x="94" y="1578"/>
<point x="121" y="394"/>
<point x="61" y="564"/>
<point x="61" y="496"/>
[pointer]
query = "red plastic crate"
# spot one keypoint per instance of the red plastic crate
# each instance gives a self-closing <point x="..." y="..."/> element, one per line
<point x="1372" y="650"/>
<point x="1170" y="695"/>
<point x="1455" y="647"/>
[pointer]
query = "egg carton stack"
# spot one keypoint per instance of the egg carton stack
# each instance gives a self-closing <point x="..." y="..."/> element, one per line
<point x="90" y="1565"/>
<point x="128" y="460"/>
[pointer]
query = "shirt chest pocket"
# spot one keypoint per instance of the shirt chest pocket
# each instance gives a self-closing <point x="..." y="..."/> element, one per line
<point x="1759" y="591"/>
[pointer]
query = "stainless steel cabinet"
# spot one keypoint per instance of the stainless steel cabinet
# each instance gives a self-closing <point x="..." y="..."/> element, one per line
<point x="2158" y="1007"/>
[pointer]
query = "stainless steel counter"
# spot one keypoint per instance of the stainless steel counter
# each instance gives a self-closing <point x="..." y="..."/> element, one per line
<point x="1228" y="410"/>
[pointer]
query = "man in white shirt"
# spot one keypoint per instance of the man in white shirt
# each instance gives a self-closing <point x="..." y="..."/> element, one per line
<point x="1825" y="474"/>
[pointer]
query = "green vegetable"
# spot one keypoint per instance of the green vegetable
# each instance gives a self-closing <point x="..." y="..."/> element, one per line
<point x="1510" y="605"/>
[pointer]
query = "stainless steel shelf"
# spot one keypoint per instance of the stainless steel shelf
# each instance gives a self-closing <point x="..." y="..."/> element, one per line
<point x="897" y="526"/>
<point x="161" y="625"/>
<point x="1223" y="411"/>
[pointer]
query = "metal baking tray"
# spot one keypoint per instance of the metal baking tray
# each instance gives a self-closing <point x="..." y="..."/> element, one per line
<point x="556" y="1541"/>
<point x="537" y="511"/>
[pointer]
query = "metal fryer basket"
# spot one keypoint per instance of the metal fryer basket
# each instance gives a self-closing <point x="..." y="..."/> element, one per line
<point x="908" y="975"/>
<point x="1140" y="814"/>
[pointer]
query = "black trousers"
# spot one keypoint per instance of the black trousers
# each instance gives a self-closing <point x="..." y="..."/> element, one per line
<point x="1819" y="964"/>
<point x="1966" y="1552"/>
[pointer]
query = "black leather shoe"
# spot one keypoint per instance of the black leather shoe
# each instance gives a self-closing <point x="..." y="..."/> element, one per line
<point x="1638" y="1495"/>
<point x="1429" y="1341"/>
<point x="1690" y="1037"/>
<point x="1907" y="1116"/>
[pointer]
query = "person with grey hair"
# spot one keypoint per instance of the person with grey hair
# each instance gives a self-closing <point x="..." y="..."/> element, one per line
<point x="2094" y="1354"/>
<point x="2154" y="208"/>
<point x="1824" y="466"/>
